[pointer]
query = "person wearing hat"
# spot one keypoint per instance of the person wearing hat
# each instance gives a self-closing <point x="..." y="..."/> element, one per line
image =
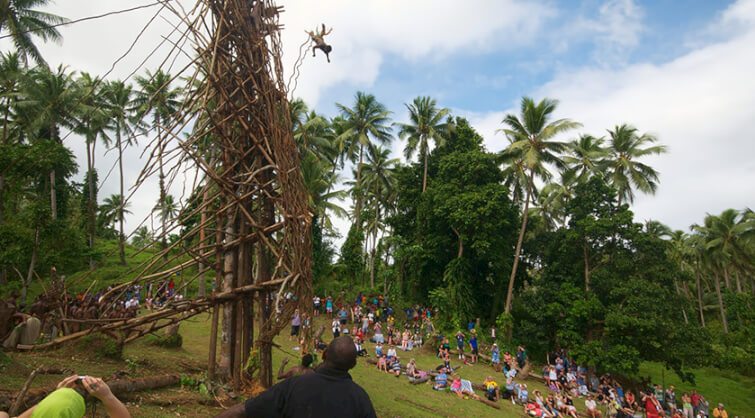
<point x="495" y="357"/>
<point x="67" y="401"/>
<point x="720" y="412"/>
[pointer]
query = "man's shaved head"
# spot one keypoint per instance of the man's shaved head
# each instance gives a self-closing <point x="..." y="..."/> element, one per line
<point x="341" y="353"/>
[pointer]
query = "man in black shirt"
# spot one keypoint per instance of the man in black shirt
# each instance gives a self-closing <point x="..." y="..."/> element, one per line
<point x="328" y="392"/>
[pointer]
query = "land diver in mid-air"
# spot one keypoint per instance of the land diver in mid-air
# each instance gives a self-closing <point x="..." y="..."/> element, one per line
<point x="318" y="37"/>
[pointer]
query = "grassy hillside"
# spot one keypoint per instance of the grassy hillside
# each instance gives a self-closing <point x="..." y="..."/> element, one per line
<point x="392" y="397"/>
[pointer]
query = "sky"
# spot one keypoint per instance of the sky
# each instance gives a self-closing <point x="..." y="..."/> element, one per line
<point x="680" y="70"/>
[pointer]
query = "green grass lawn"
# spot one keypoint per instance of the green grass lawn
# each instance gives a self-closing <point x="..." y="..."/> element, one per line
<point x="391" y="396"/>
<point x="735" y="391"/>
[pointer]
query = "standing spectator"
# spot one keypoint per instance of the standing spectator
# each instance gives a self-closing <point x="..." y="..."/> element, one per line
<point x="495" y="357"/>
<point x="336" y="327"/>
<point x="460" y="344"/>
<point x="687" y="408"/>
<point x="316" y="302"/>
<point x="695" y="398"/>
<point x="521" y="356"/>
<point x="473" y="346"/>
<point x="671" y="399"/>
<point x="295" y="325"/>
<point x="329" y="306"/>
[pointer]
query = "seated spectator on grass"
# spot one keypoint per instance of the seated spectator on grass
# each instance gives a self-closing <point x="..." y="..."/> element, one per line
<point x="441" y="380"/>
<point x="361" y="352"/>
<point x="395" y="366"/>
<point x="538" y="398"/>
<point x="391" y="351"/>
<point x="382" y="363"/>
<point x="523" y="394"/>
<point x="510" y="388"/>
<point x="467" y="389"/>
<point x="532" y="409"/>
<point x="592" y="407"/>
<point x="566" y="406"/>
<point x="447" y="363"/>
<point x="456" y="385"/>
<point x="491" y="389"/>
<point x="411" y="369"/>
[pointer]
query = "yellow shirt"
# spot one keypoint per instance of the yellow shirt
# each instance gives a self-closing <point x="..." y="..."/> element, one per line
<point x="720" y="413"/>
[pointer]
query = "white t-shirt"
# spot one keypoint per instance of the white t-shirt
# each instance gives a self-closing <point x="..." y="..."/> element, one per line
<point x="391" y="352"/>
<point x="552" y="375"/>
<point x="590" y="404"/>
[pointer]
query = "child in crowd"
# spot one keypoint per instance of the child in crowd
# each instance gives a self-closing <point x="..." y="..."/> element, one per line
<point x="523" y="395"/>
<point x="379" y="350"/>
<point x="382" y="364"/>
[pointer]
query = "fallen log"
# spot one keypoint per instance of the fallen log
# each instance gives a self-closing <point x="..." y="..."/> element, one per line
<point x="119" y="387"/>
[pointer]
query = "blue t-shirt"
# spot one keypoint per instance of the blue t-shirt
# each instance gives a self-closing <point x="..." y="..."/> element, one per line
<point x="441" y="379"/>
<point x="379" y="351"/>
<point x="473" y="342"/>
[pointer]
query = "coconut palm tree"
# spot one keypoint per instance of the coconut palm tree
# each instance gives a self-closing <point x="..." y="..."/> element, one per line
<point x="118" y="97"/>
<point x="626" y="146"/>
<point x="319" y="181"/>
<point x="586" y="156"/>
<point x="18" y="18"/>
<point x="114" y="209"/>
<point x="724" y="240"/>
<point x="142" y="237"/>
<point x="368" y="119"/>
<point x="92" y="124"/>
<point x="52" y="101"/>
<point x="379" y="185"/>
<point x="11" y="74"/>
<point x="427" y="122"/>
<point x="531" y="142"/>
<point x="156" y="98"/>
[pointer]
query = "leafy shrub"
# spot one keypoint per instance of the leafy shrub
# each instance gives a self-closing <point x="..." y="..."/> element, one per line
<point x="101" y="346"/>
<point x="166" y="341"/>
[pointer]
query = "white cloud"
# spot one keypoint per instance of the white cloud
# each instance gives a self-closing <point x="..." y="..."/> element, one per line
<point x="700" y="105"/>
<point x="365" y="32"/>
<point x="615" y="30"/>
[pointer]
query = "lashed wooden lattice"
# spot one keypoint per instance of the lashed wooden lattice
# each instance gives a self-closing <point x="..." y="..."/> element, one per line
<point x="254" y="203"/>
